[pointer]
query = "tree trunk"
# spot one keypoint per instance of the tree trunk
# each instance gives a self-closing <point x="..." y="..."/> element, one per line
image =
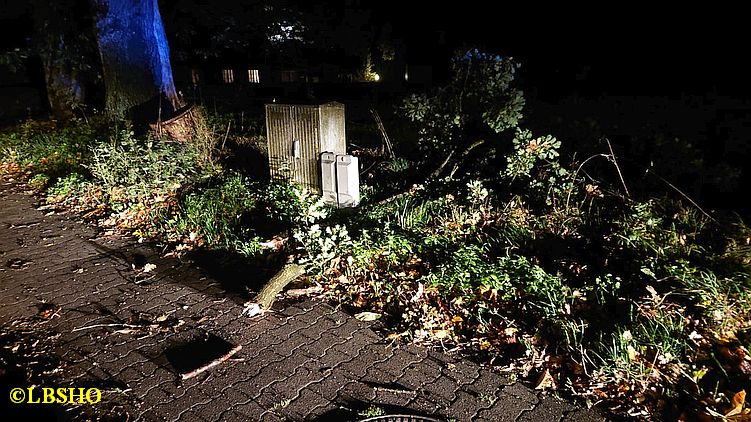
<point x="62" y="40"/>
<point x="64" y="89"/>
<point x="135" y="60"/>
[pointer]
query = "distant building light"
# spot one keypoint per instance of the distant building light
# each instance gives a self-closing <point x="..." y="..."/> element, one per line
<point x="254" y="76"/>
<point x="289" y="76"/>
<point x="194" y="77"/>
<point x="376" y="77"/>
<point x="406" y="76"/>
<point x="228" y="76"/>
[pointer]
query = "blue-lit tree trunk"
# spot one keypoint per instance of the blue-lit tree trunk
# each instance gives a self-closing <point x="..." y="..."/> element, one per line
<point x="135" y="59"/>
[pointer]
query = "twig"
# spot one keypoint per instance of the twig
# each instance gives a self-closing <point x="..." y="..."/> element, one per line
<point x="386" y="147"/>
<point x="435" y="173"/>
<point x="105" y="325"/>
<point x="615" y="163"/>
<point x="573" y="176"/>
<point x="213" y="363"/>
<point x="683" y="194"/>
<point x="463" y="155"/>
<point x="229" y="124"/>
<point x="368" y="168"/>
<point x="440" y="168"/>
<point x="159" y="117"/>
<point x="471" y="147"/>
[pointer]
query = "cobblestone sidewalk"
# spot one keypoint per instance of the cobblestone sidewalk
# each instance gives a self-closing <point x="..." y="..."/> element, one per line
<point x="136" y="332"/>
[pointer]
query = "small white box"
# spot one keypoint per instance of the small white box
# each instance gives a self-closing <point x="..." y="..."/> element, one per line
<point x="328" y="178"/>
<point x="347" y="181"/>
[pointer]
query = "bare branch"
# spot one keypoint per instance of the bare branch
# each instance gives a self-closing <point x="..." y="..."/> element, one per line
<point x="213" y="363"/>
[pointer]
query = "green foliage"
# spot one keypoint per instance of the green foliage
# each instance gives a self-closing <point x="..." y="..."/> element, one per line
<point x="68" y="185"/>
<point x="141" y="167"/>
<point x="216" y="214"/>
<point x="322" y="245"/>
<point x="42" y="148"/>
<point x="468" y="268"/>
<point x="39" y="181"/>
<point x="724" y="301"/>
<point x="528" y="151"/>
<point x="231" y="212"/>
<point x="397" y="165"/>
<point x="372" y="412"/>
<point x="479" y="95"/>
<point x="480" y="106"/>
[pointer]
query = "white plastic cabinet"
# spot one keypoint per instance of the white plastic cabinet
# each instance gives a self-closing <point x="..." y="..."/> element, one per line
<point x="347" y="181"/>
<point x="340" y="179"/>
<point x="328" y="178"/>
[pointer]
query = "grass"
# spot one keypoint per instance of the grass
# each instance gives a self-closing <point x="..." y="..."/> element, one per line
<point x="45" y="152"/>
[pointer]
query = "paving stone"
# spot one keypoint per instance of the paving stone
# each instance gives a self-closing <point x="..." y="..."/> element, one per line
<point x="512" y="402"/>
<point x="549" y="409"/>
<point x="443" y="387"/>
<point x="251" y="410"/>
<point x="582" y="415"/>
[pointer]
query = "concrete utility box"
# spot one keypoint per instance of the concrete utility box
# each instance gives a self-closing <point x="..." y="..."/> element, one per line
<point x="297" y="134"/>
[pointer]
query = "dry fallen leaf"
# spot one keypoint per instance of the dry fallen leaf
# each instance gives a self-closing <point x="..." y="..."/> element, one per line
<point x="367" y="316"/>
<point x="149" y="268"/>
<point x="737" y="402"/>
<point x="441" y="334"/>
<point x="546" y="382"/>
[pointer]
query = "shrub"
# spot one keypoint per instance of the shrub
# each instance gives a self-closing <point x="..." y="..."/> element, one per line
<point x="43" y="148"/>
<point x="139" y="168"/>
<point x="216" y="214"/>
<point x="65" y="186"/>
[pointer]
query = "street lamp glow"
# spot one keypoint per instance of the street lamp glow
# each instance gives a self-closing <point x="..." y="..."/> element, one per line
<point x="376" y="77"/>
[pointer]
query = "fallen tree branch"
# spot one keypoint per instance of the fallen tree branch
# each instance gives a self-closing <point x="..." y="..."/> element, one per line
<point x="213" y="363"/>
<point x="440" y="168"/>
<point x="286" y="275"/>
<point x="462" y="156"/>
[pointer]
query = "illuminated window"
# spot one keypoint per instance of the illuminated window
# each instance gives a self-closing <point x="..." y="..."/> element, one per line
<point x="228" y="76"/>
<point x="194" y="76"/>
<point x="289" y="76"/>
<point x="253" y="76"/>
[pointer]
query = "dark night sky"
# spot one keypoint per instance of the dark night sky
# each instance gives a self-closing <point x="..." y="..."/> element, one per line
<point x="631" y="49"/>
<point x="627" y="48"/>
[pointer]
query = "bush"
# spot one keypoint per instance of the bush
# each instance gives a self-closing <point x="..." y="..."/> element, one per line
<point x="46" y="149"/>
<point x="216" y="215"/>
<point x="137" y="169"/>
<point x="68" y="185"/>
